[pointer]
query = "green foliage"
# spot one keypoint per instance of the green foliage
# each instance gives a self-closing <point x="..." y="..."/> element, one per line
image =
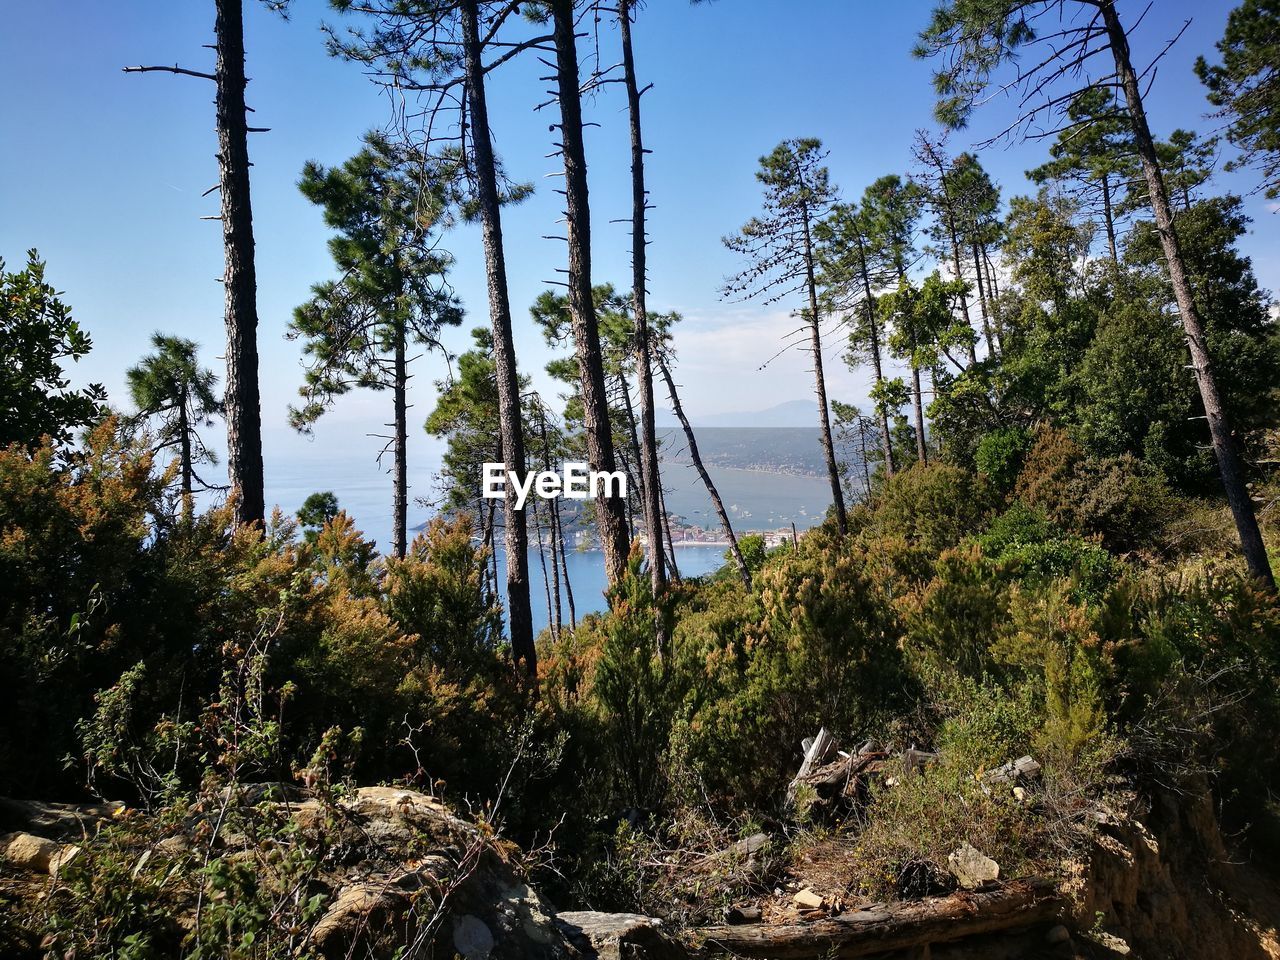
<point x="37" y="336"/>
<point x="317" y="510"/>
<point x="1245" y="87"/>
<point x="999" y="456"/>
<point x="932" y="507"/>
<point x="171" y="389"/>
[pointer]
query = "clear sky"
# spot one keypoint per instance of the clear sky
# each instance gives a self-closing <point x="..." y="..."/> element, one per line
<point x="104" y="172"/>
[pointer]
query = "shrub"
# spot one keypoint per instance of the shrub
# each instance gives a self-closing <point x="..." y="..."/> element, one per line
<point x="931" y="507"/>
<point x="1000" y="454"/>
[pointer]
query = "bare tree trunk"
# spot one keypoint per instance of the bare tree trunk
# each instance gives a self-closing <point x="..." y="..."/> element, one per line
<point x="671" y="543"/>
<point x="552" y="526"/>
<point x="184" y="439"/>
<point x="400" y="469"/>
<point x="982" y="301"/>
<point x="702" y="472"/>
<point x="873" y="327"/>
<point x="546" y="579"/>
<point x="1108" y="218"/>
<point x="921" y="453"/>
<point x="866" y="472"/>
<point x="649" y="469"/>
<point x="520" y="617"/>
<point x="820" y="384"/>
<point x="243" y="405"/>
<point x="564" y="565"/>
<point x="1251" y="543"/>
<point x="610" y="511"/>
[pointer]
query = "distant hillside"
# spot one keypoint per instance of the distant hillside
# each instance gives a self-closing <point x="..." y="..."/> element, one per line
<point x="792" y="413"/>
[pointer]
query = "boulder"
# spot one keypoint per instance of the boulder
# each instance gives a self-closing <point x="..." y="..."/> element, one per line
<point x="971" y="867"/>
<point x="28" y="852"/>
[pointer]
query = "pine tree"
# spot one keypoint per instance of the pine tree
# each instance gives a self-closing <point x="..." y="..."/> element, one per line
<point x="780" y="247"/>
<point x="359" y="329"/>
<point x="1246" y="87"/>
<point x="171" y="389"/>
<point x="1094" y="157"/>
<point x="975" y="39"/>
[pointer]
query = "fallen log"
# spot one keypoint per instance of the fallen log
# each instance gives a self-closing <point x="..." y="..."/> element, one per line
<point x="888" y="927"/>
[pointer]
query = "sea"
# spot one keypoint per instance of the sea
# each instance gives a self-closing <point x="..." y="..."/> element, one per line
<point x="756" y="500"/>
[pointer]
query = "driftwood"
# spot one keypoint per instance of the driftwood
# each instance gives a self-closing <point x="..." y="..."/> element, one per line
<point x="887" y="927"/>
<point x="816" y="752"/>
<point x="1024" y="768"/>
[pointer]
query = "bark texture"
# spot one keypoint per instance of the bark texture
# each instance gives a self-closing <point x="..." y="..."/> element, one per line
<point x="243" y="405"/>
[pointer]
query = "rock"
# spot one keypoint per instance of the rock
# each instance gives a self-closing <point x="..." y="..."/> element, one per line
<point x="63" y="858"/>
<point x="1058" y="934"/>
<point x="472" y="939"/>
<point x="26" y="851"/>
<point x="806" y="899"/>
<point x="619" y="936"/>
<point x="1113" y="943"/>
<point x="61" y="821"/>
<point x="358" y="915"/>
<point x="971" y="867"/>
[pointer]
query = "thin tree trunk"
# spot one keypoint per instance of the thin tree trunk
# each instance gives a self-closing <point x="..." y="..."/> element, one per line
<point x="1108" y="218"/>
<point x="702" y="472"/>
<point x="564" y="565"/>
<point x="671" y="543"/>
<point x="1251" y="543"/>
<point x="553" y="525"/>
<point x="921" y="454"/>
<point x="820" y="383"/>
<point x="542" y="558"/>
<point x="873" y="328"/>
<point x="400" y="469"/>
<point x="184" y="440"/>
<point x="955" y="261"/>
<point x="993" y="294"/>
<point x="243" y="404"/>
<point x="520" y="617"/>
<point x="982" y="302"/>
<point x="610" y="511"/>
<point x="866" y="472"/>
<point x="651" y="481"/>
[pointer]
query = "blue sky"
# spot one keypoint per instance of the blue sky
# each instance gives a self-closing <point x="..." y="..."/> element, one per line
<point x="104" y="172"/>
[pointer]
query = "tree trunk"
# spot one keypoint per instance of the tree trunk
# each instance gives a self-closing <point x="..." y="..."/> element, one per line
<point x="702" y="472"/>
<point x="243" y="405"/>
<point x="873" y="328"/>
<point x="651" y="482"/>
<point x="552" y="527"/>
<point x="820" y="383"/>
<point x="1255" y="551"/>
<point x="921" y="454"/>
<point x="400" y="469"/>
<point x="866" y="472"/>
<point x="955" y="262"/>
<point x="982" y="302"/>
<point x="519" y="615"/>
<point x="564" y="565"/>
<point x="610" y="511"/>
<point x="1108" y="218"/>
<point x="546" y="579"/>
<point x="184" y="441"/>
<point x="671" y="543"/>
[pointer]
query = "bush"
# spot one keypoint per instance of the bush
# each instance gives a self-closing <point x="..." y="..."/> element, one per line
<point x="931" y="507"/>
<point x="1000" y="454"/>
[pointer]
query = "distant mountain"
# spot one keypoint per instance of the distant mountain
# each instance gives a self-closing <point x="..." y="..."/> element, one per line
<point x="793" y="413"/>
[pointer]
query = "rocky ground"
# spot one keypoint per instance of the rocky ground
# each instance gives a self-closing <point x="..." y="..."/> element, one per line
<point x="402" y="874"/>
